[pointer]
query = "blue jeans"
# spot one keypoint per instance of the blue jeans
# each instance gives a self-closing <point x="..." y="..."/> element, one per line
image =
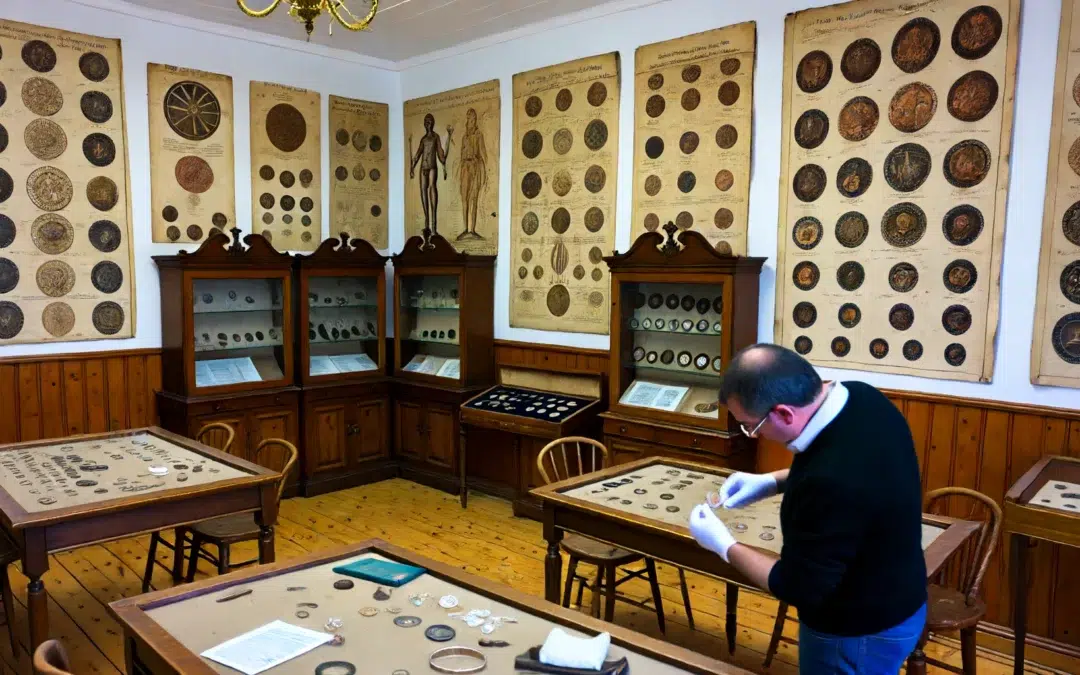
<point x="878" y="654"/>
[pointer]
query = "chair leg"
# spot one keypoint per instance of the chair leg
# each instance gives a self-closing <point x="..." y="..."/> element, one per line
<point x="178" y="554"/>
<point x="150" y="555"/>
<point x="9" y="610"/>
<point x="967" y="650"/>
<point x="223" y="559"/>
<point x="609" y="601"/>
<point x="571" y="570"/>
<point x="686" y="598"/>
<point x="580" y="593"/>
<point x="650" y="567"/>
<point x="777" y="633"/>
<point x="193" y="558"/>
<point x="916" y="663"/>
<point x="597" y="591"/>
<point x="732" y="626"/>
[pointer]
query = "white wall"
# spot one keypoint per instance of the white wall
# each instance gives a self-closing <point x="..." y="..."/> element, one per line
<point x="149" y="36"/>
<point x="625" y="25"/>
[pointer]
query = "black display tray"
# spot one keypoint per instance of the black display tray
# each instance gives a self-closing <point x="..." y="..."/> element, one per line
<point x="547" y="406"/>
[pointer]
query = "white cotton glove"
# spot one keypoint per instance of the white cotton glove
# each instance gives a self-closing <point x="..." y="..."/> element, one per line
<point x="743" y="489"/>
<point x="710" y="532"/>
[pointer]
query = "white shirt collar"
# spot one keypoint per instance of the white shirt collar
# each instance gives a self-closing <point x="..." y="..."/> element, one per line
<point x="826" y="413"/>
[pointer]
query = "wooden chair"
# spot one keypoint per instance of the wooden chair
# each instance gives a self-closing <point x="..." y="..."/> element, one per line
<point x="181" y="534"/>
<point x="606" y="558"/>
<point x="954" y="603"/>
<point x="50" y="658"/>
<point x="9" y="553"/>
<point x="225" y="531"/>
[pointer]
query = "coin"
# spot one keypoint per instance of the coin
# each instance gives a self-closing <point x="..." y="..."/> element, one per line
<point x="11" y="317"/>
<point x="655" y="105"/>
<point x="851" y="229"/>
<point x="1070" y="224"/>
<point x="55" y="278"/>
<point x="906" y="167"/>
<point x="96" y="107"/>
<point x="440" y="633"/>
<point x="558" y="300"/>
<point x="596" y="135"/>
<point x="912" y="107"/>
<point x="7" y="185"/>
<point x="879" y="348"/>
<point x="805" y="275"/>
<point x="973" y="96"/>
<point x="286" y="127"/>
<point x="956" y="319"/>
<point x="903" y="277"/>
<point x="955" y="354"/>
<point x="728" y="93"/>
<point x="560" y="220"/>
<point x="962" y="225"/>
<point x="724" y="218"/>
<point x="807" y="233"/>
<point x="960" y="276"/>
<point x="375" y="143"/>
<point x="266" y="172"/>
<point x="811" y="129"/>
<point x="726" y="137"/>
<point x="684" y="221"/>
<point x="841" y="346"/>
<point x="194" y="174"/>
<point x="901" y="316"/>
<point x="594" y="219"/>
<point x="1065" y="337"/>
<point x="967" y="163"/>
<point x="903" y="225"/>
<point x="94" y="66"/>
<point x="804" y="315"/>
<point x="173" y="233"/>
<point x="976" y="32"/>
<point x="854" y="177"/>
<point x="7" y="231"/>
<point x="654" y="147"/>
<point x="9" y="275"/>
<point x="533" y="105"/>
<point x="688" y="142"/>
<point x="58" y="319"/>
<point x="39" y="56"/>
<point x="916" y="44"/>
<point x="45" y="139"/>
<point x="595" y="178"/>
<point x="912" y="350"/>
<point x="861" y="60"/>
<point x="407" y="621"/>
<point x="809" y="182"/>
<point x="49" y="188"/>
<point x="195" y="233"/>
<point x="531" y="184"/>
<point x="686" y="181"/>
<point x="850" y="275"/>
<point x="814" y="72"/>
<point x="532" y="143"/>
<point x="803" y="345"/>
<point x="104" y="236"/>
<point x="101" y="192"/>
<point x="563" y="100"/>
<point x="108" y="318"/>
<point x="1070" y="281"/>
<point x="341" y="173"/>
<point x="42" y="97"/>
<point x="724" y="180"/>
<point x="597" y="94"/>
<point x="858" y="119"/>
<point x="52" y="233"/>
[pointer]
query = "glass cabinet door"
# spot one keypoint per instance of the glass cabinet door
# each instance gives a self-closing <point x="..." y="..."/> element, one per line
<point x="672" y="356"/>
<point x="239" y="331"/>
<point x="429" y="318"/>
<point x="343" y="325"/>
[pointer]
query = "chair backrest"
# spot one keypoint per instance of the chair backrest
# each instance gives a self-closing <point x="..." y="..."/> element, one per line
<point x="214" y="430"/>
<point x="50" y="658"/>
<point x="566" y="464"/>
<point x="291" y="452"/>
<point x="975" y="557"/>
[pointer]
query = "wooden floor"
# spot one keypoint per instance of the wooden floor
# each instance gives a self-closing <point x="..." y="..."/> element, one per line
<point x="485" y="540"/>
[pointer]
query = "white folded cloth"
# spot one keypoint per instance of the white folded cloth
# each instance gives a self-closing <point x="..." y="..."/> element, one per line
<point x="566" y="651"/>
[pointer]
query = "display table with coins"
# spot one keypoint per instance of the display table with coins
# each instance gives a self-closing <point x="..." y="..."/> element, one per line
<point x="1044" y="504"/>
<point x="436" y="618"/>
<point x="64" y="493"/>
<point x="644" y="506"/>
<point x="504" y="428"/>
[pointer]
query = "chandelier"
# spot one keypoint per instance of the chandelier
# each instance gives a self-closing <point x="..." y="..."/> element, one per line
<point x="307" y="11"/>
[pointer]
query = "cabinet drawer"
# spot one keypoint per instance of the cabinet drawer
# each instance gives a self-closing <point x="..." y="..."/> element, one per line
<point x="236" y="403"/>
<point x="628" y="429"/>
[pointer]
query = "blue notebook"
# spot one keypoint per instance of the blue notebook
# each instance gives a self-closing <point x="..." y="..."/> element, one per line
<point x="382" y="572"/>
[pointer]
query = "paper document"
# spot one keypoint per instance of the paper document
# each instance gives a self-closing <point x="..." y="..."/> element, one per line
<point x="351" y="363"/>
<point x="225" y="371"/>
<point x="322" y="365"/>
<point x="266" y="647"/>
<point x="451" y="369"/>
<point x="652" y="395"/>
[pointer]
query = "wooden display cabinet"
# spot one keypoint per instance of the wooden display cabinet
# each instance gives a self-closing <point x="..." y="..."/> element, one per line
<point x="341" y="366"/>
<point x="504" y="428"/>
<point x="680" y="311"/>
<point x="443" y="354"/>
<point x="227" y="341"/>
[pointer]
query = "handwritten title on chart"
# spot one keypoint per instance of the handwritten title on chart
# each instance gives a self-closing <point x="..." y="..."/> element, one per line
<point x="699" y="53"/>
<point x="560" y="76"/>
<point x="854" y="16"/>
<point x="451" y="99"/>
<point x="63" y="40"/>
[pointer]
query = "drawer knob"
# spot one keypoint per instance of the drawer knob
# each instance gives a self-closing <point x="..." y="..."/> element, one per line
<point x="218" y="407"/>
<point x="622" y="429"/>
<point x="277" y="400"/>
<point x="694" y="442"/>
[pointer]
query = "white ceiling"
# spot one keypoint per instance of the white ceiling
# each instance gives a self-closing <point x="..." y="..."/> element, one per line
<point x="402" y="29"/>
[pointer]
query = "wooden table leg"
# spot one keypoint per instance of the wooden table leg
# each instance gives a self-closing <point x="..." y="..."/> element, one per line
<point x="553" y="560"/>
<point x="35" y="563"/>
<point x="178" y="555"/>
<point x="732" y="597"/>
<point x="463" y="485"/>
<point x="266" y="545"/>
<point x="265" y="519"/>
<point x="1019" y="581"/>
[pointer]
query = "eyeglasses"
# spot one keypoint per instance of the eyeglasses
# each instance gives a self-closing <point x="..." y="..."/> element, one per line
<point x="753" y="432"/>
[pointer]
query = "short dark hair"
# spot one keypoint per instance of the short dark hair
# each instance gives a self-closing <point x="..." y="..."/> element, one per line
<point x="763" y="376"/>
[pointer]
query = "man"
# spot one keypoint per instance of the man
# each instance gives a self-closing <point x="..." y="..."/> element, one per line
<point x="431" y="151"/>
<point x="851" y="516"/>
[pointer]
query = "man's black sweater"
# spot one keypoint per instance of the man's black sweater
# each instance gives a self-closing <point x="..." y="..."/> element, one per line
<point x="852" y="561"/>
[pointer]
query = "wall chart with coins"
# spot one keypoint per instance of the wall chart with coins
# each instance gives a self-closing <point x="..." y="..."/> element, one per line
<point x="1055" y="344"/>
<point x="452" y="146"/>
<point x="897" y="120"/>
<point x="566" y="140"/>
<point x="65" y="244"/>
<point x="286" y="155"/>
<point x="692" y="124"/>
<point x="191" y="153"/>
<point x="359" y="161"/>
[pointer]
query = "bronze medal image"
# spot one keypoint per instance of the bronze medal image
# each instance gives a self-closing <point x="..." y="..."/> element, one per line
<point x="687" y="303"/>
<point x="359" y="140"/>
<point x="1074" y="156"/>
<point x="597" y="94"/>
<point x="656" y="80"/>
<point x="654" y="147"/>
<point x="3" y="94"/>
<point x="684" y="221"/>
<point x="108" y="318"/>
<point x="1069" y="282"/>
<point x="959" y="276"/>
<point x="724" y="248"/>
<point x="850" y="275"/>
<point x="651" y="222"/>
<point x="596" y="298"/>
<point x="973" y="96"/>
<point x="814" y="72"/>
<point x="686" y="182"/>
<point x="286" y="127"/>
<point x="7" y="185"/>
<point x="42" y="97"/>
<point x="192" y="110"/>
<point x="558" y="300"/>
<point x="219" y="220"/>
<point x="169" y="214"/>
<point x="976" y="32"/>
<point x="803" y="344"/>
<point x="903" y="225"/>
<point x="805" y="275"/>
<point x="96" y="107"/>
<point x="173" y="233"/>
<point x="726" y="137"/>
<point x="39" y="56"/>
<point x="562" y="183"/>
<point x="530" y="223"/>
<point x="287" y="179"/>
<point x="688" y="142"/>
<point x="358" y="172"/>
<point x="58" y="319"/>
<point x="956" y="320"/>
<point x="563" y="100"/>
<point x="962" y="225"/>
<point x="912" y="350"/>
<point x="901" y="316"/>
<point x="375" y="175"/>
<point x="596" y="256"/>
<point x="9" y="275"/>
<point x="967" y="163"/>
<point x="49" y="188"/>
<point x="690" y="74"/>
<point x="562" y="141"/>
<point x="724" y="180"/>
<point x="596" y="135"/>
<point x="811" y="129"/>
<point x="723" y="218"/>
<point x="375" y="143"/>
<point x="915" y="45"/>
<point x="52" y="233"/>
<point x="45" y="139"/>
<point x="267" y="218"/>
<point x="194" y="174"/>
<point x="854" y="177"/>
<point x="287" y="203"/>
<point x="107" y="276"/>
<point x="99" y="150"/>
<point x="666" y="358"/>
<point x="307" y="204"/>
<point x="907" y="167"/>
<point x="531" y="184"/>
<point x="7" y="231"/>
<point x="804" y="315"/>
<point x="266" y="172"/>
<point x="533" y="105"/>
<point x="102" y="194"/>
<point x="858" y="119"/>
<point x="809" y="182"/>
<point x="560" y="220"/>
<point x="903" y="277"/>
<point x="1065" y="337"/>
<point x="594" y="219"/>
<point x="195" y="233"/>
<point x="532" y="143"/>
<point x="807" y="233"/>
<point x="341" y="173"/>
<point x="849" y="315"/>
<point x="912" y="107"/>
<point x="538" y="273"/>
<point x="105" y="236"/>
<point x="266" y="200"/>
<point x="55" y="278"/>
<point x="523" y="272"/>
<point x="879" y="348"/>
<point x="730" y="66"/>
<point x="653" y="185"/>
<point x="691" y="99"/>
<point x="728" y="93"/>
<point x="1076" y="90"/>
<point x="861" y="60"/>
<point x="841" y="346"/>
<point x="342" y="136"/>
<point x="526" y="255"/>
<point x="595" y="179"/>
<point x="94" y="66"/>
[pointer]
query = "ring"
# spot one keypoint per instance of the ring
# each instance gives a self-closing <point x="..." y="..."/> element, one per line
<point x="457" y="651"/>
<point x="302" y="614"/>
<point x="350" y="668"/>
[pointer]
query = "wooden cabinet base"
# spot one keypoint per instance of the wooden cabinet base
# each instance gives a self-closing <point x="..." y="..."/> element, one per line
<point x="629" y="439"/>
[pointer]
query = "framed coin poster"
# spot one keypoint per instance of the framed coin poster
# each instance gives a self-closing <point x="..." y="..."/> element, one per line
<point x="452" y="161"/>
<point x="1055" y="344"/>
<point x="286" y="154"/>
<point x="692" y="127"/>
<point x="191" y="153"/>
<point x="566" y="128"/>
<point x="65" y="212"/>
<point x="894" y="172"/>
<point x="358" y="164"/>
